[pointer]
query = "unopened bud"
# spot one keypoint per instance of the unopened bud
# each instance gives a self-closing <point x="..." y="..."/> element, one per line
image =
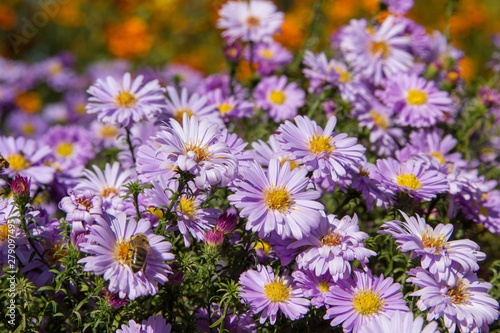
<point x="214" y="238"/>
<point x="21" y="188"/>
<point x="226" y="223"/>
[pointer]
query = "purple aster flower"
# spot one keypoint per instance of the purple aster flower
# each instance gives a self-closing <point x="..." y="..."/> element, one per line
<point x="263" y="291"/>
<point x="152" y="325"/>
<point x="50" y="243"/>
<point x="115" y="68"/>
<point x="378" y="118"/>
<point x="10" y="229"/>
<point x="280" y="99"/>
<point x="127" y="102"/>
<point x="332" y="245"/>
<point x="265" y="152"/>
<point x="55" y="73"/>
<point x="254" y="21"/>
<point x="82" y="209"/>
<point x="110" y="184"/>
<point x="237" y="146"/>
<point x="376" y="55"/>
<point x="356" y="301"/>
<point x="400" y="7"/>
<point x="464" y="304"/>
<point x="277" y="201"/>
<point x="196" y="147"/>
<point x="231" y="106"/>
<point x="149" y="160"/>
<point x="110" y="246"/>
<point x="234" y="322"/>
<point x="399" y="322"/>
<point x="269" y="57"/>
<point x="190" y="105"/>
<point x="70" y="146"/>
<point x="320" y="71"/>
<point x="106" y="135"/>
<point x="414" y="177"/>
<point x="313" y="286"/>
<point x="326" y="153"/>
<point x="192" y="219"/>
<point x="372" y="192"/>
<point x="438" y="254"/>
<point x="182" y="75"/>
<point x="26" y="124"/>
<point x="417" y="102"/>
<point x="25" y="159"/>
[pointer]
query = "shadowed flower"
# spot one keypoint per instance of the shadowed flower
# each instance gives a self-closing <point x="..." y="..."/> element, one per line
<point x="399" y="322"/>
<point x="152" y="325"/>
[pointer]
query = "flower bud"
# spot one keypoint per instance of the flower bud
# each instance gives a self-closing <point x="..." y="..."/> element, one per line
<point x="21" y="190"/>
<point x="214" y="238"/>
<point x="226" y="223"/>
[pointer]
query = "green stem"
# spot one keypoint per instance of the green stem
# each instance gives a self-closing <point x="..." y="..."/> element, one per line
<point x="449" y="11"/>
<point x="130" y="146"/>
<point x="22" y="212"/>
<point x="173" y="200"/>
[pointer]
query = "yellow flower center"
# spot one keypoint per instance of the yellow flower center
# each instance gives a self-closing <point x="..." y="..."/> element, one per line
<point x="55" y="254"/>
<point x="108" y="131"/>
<point x="121" y="251"/>
<point x="438" y="155"/>
<point x="319" y="144"/>
<point x="409" y="180"/>
<point x="264" y="246"/>
<point x="278" y="198"/>
<point x="156" y="212"/>
<point x="323" y="286"/>
<point x="253" y="22"/>
<point x="277" y="97"/>
<point x="379" y="48"/>
<point x="484" y="211"/>
<point x="55" y="69"/>
<point x="459" y="294"/>
<point x="363" y="172"/>
<point x="379" y="120"/>
<point x="28" y="129"/>
<point x="179" y="114"/>
<point x="432" y="240"/>
<point x="366" y="303"/>
<point x="266" y="53"/>
<point x="4" y="232"/>
<point x="85" y="203"/>
<point x="108" y="191"/>
<point x="17" y="163"/>
<point x="345" y="76"/>
<point x="80" y="108"/>
<point x="202" y="153"/>
<point x="276" y="291"/>
<point x="29" y="101"/>
<point x="416" y="97"/>
<point x="293" y="164"/>
<point x="64" y="149"/>
<point x="187" y="206"/>
<point x="125" y="100"/>
<point x="332" y="239"/>
<point x="225" y="108"/>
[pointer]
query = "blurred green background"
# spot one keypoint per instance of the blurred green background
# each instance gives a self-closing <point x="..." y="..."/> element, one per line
<point x="158" y="31"/>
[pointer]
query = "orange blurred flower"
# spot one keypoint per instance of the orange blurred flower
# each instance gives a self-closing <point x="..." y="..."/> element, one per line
<point x="467" y="68"/>
<point x="7" y="17"/>
<point x="130" y="38"/>
<point x="244" y="71"/>
<point x="29" y="101"/>
<point x="469" y="15"/>
<point x="70" y="15"/>
<point x="292" y="34"/>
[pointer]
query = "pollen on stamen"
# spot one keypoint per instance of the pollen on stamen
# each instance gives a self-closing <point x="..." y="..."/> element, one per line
<point x="121" y="251"/>
<point x="278" y="198"/>
<point x="409" y="180"/>
<point x="277" y="291"/>
<point x="126" y="100"/>
<point x="459" y="294"/>
<point x="366" y="302"/>
<point x="416" y="97"/>
<point x="318" y="144"/>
